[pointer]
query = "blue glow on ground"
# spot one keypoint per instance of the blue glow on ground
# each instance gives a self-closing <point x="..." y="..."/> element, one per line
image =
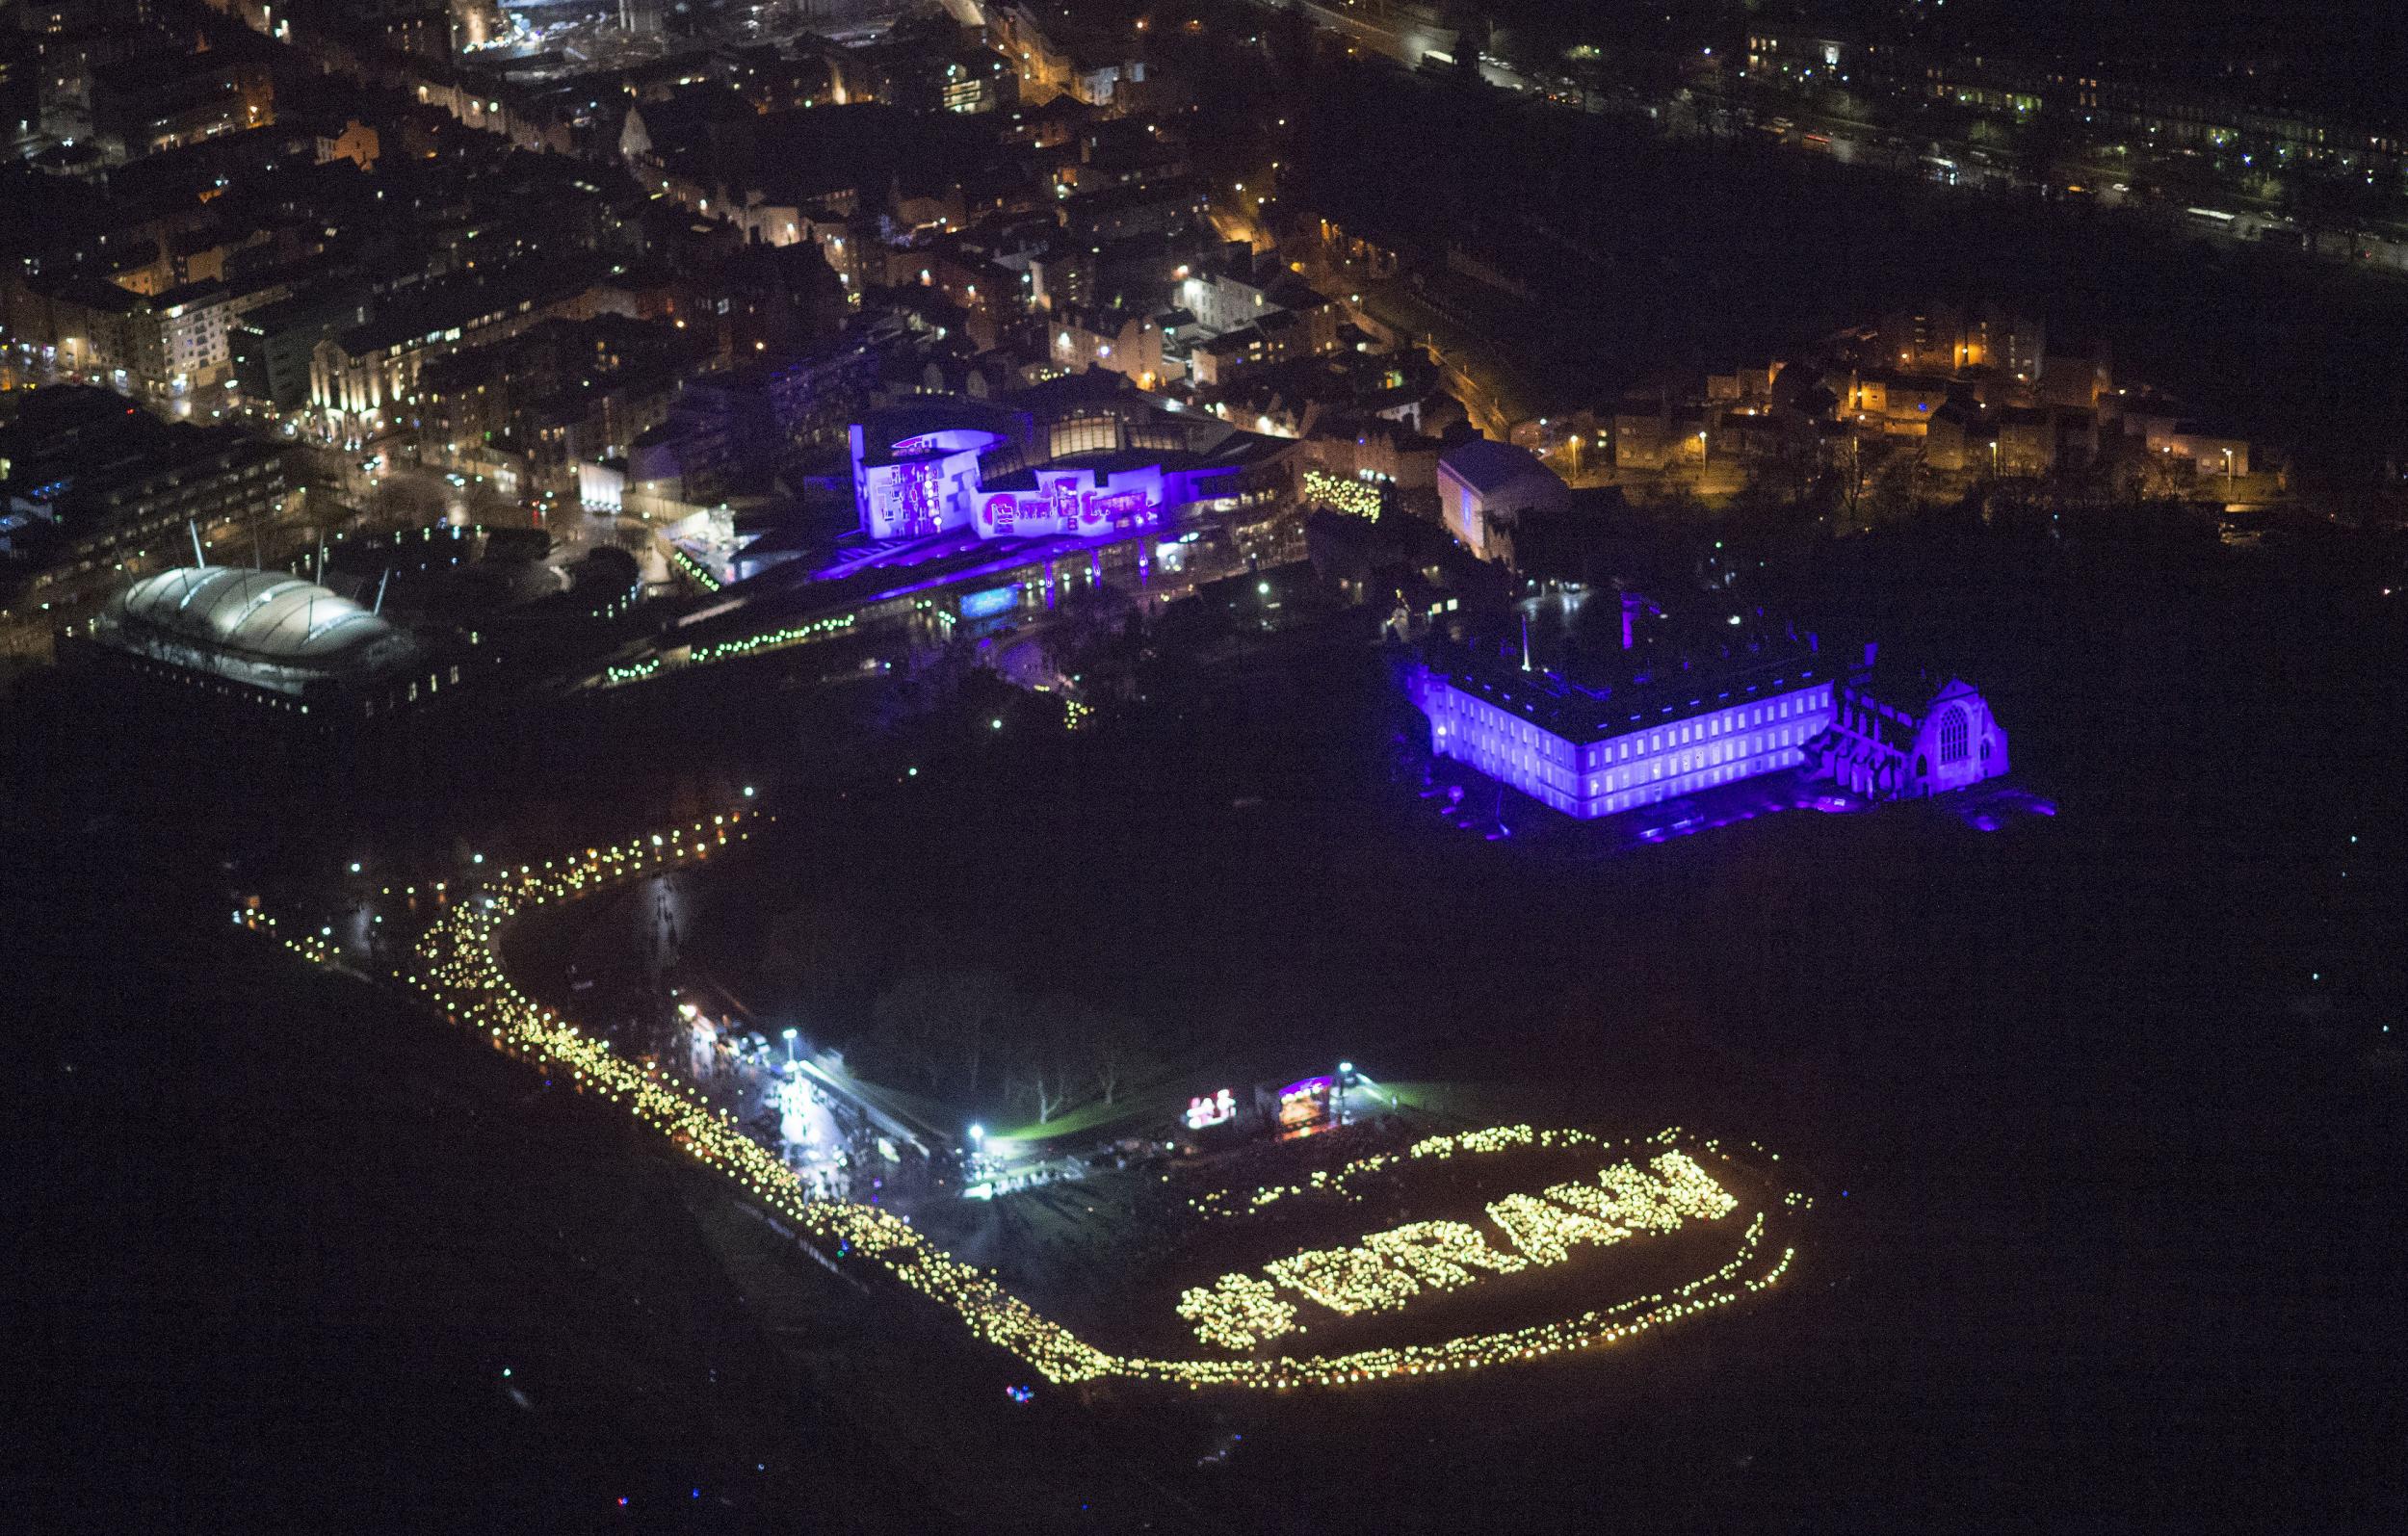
<point x="1474" y="806"/>
<point x="1987" y="808"/>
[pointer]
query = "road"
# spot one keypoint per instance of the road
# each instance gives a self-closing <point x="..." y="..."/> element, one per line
<point x="1373" y="27"/>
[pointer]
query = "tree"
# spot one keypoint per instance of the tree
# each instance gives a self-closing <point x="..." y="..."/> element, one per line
<point x="2322" y="202"/>
<point x="2043" y="143"/>
<point x="816" y="959"/>
<point x="1045" y="1068"/>
<point x="1843" y="484"/>
<point x="1893" y="494"/>
<point x="1086" y="623"/>
<point x="946" y="1023"/>
<point x="1117" y="1056"/>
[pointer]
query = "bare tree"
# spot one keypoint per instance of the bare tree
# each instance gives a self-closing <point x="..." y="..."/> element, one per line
<point x="1053" y="1062"/>
<point x="945" y="1022"/>
<point x="1116" y="1057"/>
<point x="1039" y="1077"/>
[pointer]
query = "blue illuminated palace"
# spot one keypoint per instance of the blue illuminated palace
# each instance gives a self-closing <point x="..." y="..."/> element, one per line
<point x="1670" y="724"/>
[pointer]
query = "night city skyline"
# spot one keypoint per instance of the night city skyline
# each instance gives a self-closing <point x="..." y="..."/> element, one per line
<point x="1204" y="764"/>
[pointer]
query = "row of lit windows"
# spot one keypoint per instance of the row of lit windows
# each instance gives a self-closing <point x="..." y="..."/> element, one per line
<point x="1710" y="727"/>
<point x="1705" y="750"/>
<point x="1651" y="794"/>
<point x="1498" y="731"/>
<point x="1712" y="756"/>
<point x="1525" y="769"/>
<point x="1705" y="778"/>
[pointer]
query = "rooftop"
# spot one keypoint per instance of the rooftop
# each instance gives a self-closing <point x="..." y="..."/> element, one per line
<point x="1488" y="466"/>
<point x="1670" y="689"/>
<point x="267" y="612"/>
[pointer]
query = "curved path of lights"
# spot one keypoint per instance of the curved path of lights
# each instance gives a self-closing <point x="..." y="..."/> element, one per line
<point x="457" y="964"/>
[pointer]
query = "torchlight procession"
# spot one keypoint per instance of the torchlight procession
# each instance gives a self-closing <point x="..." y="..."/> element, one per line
<point x="458" y="965"/>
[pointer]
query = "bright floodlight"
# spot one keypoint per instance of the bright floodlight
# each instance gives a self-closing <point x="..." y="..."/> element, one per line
<point x="747" y="791"/>
<point x="355" y="866"/>
<point x="790" y="1034"/>
<point x="978" y="1132"/>
<point x="1346" y="1066"/>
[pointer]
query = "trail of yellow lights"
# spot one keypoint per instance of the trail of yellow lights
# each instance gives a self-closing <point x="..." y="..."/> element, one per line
<point x="457" y="964"/>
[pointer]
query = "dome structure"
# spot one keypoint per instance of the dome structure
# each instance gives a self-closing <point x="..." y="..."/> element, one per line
<point x="266" y="614"/>
<point x="266" y="629"/>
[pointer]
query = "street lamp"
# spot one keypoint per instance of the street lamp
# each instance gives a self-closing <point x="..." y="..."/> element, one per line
<point x="790" y="1047"/>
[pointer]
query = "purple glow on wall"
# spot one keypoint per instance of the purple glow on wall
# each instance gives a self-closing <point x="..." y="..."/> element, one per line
<point x="1643" y="765"/>
<point x="1073" y="503"/>
<point x="919" y="496"/>
<point x="919" y="507"/>
<point x="933" y="483"/>
<point x="1810" y="723"/>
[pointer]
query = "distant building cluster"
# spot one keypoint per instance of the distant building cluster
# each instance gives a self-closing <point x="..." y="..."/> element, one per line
<point x="1961" y="393"/>
<point x="84" y="476"/>
<point x="2243" y="110"/>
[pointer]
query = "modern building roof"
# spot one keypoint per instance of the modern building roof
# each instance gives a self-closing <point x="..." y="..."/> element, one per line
<point x="264" y="614"/>
<point x="883" y="429"/>
<point x="1488" y="466"/>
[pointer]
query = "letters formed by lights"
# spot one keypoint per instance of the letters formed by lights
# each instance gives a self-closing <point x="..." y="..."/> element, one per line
<point x="458" y="963"/>
<point x="1389" y="1270"/>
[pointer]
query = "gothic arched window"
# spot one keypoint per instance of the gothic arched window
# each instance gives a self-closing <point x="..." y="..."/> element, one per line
<point x="1952" y="735"/>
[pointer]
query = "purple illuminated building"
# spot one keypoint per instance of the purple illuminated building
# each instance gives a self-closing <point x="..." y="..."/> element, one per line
<point x="960" y="480"/>
<point x="919" y="487"/>
<point x="1897" y="734"/>
<point x="1680" y="726"/>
